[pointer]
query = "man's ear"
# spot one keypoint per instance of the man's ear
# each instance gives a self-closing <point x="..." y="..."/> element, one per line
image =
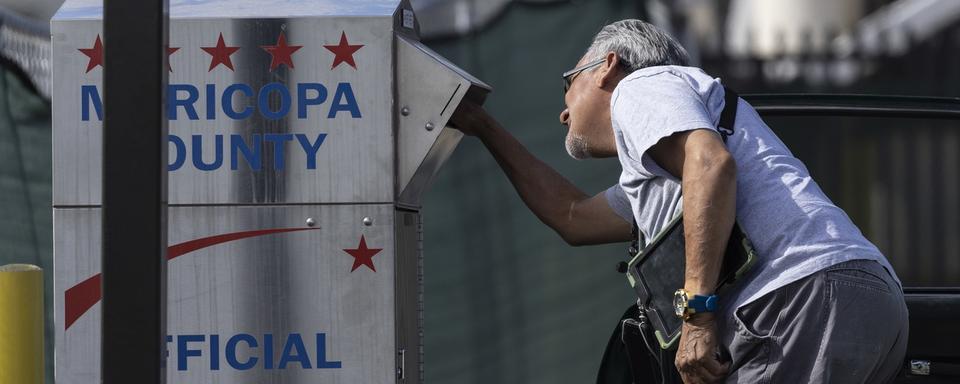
<point x="609" y="72"/>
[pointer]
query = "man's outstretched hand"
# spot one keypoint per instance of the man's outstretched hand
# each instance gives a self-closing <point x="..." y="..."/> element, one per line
<point x="471" y="119"/>
<point x="696" y="357"/>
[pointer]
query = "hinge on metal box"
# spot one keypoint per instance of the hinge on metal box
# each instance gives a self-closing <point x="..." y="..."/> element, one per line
<point x="401" y="362"/>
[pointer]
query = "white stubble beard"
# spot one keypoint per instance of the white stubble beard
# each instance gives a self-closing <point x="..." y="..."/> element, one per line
<point x="577" y="146"/>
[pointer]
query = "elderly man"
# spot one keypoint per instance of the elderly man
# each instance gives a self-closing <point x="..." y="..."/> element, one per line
<point x="822" y="304"/>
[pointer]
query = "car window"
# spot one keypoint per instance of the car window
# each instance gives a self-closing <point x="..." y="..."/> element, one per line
<point x="897" y="178"/>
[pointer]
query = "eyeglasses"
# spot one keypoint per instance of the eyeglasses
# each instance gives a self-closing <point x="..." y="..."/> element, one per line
<point x="568" y="76"/>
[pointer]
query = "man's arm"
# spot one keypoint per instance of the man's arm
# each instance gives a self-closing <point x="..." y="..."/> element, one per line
<point x="579" y="218"/>
<point x="707" y="173"/>
<point x="708" y="178"/>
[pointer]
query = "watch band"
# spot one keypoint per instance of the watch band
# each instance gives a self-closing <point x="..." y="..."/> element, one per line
<point x="686" y="306"/>
<point x="701" y="303"/>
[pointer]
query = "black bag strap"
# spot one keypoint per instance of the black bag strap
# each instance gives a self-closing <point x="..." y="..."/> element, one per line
<point x="729" y="115"/>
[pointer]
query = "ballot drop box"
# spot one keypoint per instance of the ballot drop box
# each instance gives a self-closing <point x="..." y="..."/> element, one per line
<point x="302" y="135"/>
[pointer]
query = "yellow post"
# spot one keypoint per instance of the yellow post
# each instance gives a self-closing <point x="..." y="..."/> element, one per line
<point x="21" y="324"/>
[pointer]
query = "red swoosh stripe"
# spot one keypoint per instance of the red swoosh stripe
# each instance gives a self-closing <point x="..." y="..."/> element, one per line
<point x="78" y="299"/>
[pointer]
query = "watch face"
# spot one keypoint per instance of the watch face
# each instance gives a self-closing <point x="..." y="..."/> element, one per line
<point x="680" y="303"/>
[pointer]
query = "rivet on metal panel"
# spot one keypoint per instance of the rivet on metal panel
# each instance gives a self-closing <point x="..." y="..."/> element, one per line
<point x="367" y="221"/>
<point x="429" y="126"/>
<point x="405" y="111"/>
<point x="311" y="222"/>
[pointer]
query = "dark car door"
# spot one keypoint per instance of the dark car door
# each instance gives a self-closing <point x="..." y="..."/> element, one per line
<point x="933" y="355"/>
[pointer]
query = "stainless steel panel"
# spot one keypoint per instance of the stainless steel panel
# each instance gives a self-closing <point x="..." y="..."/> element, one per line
<point x="438" y="154"/>
<point x="264" y="280"/>
<point x="232" y="291"/>
<point x="354" y="162"/>
<point x="76" y="258"/>
<point x="77" y="144"/>
<point x="93" y="9"/>
<point x="429" y="89"/>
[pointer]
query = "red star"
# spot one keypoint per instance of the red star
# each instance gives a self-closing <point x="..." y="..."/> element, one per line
<point x="363" y="255"/>
<point x="170" y="51"/>
<point x="95" y="54"/>
<point x="280" y="53"/>
<point x="344" y="52"/>
<point x="221" y="54"/>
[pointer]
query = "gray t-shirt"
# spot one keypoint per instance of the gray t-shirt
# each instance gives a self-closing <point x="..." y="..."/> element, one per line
<point x="795" y="229"/>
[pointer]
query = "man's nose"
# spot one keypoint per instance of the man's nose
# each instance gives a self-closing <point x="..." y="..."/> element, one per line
<point x="565" y="116"/>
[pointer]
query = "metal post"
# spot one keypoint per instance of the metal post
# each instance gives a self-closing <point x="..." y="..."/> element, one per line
<point x="134" y="191"/>
<point x="21" y="324"/>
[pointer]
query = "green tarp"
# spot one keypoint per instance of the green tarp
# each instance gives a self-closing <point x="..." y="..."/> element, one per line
<point x="26" y="220"/>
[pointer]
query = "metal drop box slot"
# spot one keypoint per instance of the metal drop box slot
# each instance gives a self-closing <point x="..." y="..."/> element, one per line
<point x="302" y="136"/>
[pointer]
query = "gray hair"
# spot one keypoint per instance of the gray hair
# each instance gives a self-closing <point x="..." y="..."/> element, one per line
<point x="638" y="44"/>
